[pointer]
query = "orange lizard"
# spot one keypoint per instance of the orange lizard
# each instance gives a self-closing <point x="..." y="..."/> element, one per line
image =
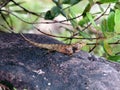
<point x="63" y="48"/>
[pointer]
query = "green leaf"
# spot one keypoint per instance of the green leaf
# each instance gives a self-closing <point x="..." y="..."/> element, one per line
<point x="90" y="17"/>
<point x="85" y="20"/>
<point x="20" y="11"/>
<point x="117" y="5"/>
<point x="110" y="22"/>
<point x="70" y="2"/>
<point x="79" y="7"/>
<point x="107" y="1"/>
<point x="87" y="9"/>
<point x="114" y="58"/>
<point x="85" y="35"/>
<point x="48" y="15"/>
<point x="91" y="2"/>
<point x="12" y="5"/>
<point x="101" y="8"/>
<point x="74" y="21"/>
<point x="117" y="21"/>
<point x="104" y="26"/>
<point x="107" y="48"/>
<point x="51" y="14"/>
<point x="55" y="11"/>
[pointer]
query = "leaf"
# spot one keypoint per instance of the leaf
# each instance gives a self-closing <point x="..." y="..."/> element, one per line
<point x="117" y="5"/>
<point x="85" y="35"/>
<point x="85" y="20"/>
<point x="117" y="21"/>
<point x="48" y="15"/>
<point x="20" y="11"/>
<point x="101" y="8"/>
<point x="107" y="1"/>
<point x="79" y="7"/>
<point x="107" y="48"/>
<point x="104" y="26"/>
<point x="51" y="14"/>
<point x="90" y="17"/>
<point x="55" y="11"/>
<point x="110" y="22"/>
<point x="74" y="21"/>
<point x="87" y="9"/>
<point x="70" y="2"/>
<point x="19" y="3"/>
<point x="114" y="58"/>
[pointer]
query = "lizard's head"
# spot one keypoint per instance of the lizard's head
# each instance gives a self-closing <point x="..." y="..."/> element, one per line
<point x="77" y="46"/>
<point x="68" y="51"/>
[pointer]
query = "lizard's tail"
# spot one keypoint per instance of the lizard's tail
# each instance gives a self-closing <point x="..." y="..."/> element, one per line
<point x="46" y="46"/>
<point x="31" y="42"/>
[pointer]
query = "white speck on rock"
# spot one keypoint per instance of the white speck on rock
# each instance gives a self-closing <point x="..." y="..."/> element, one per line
<point x="39" y="71"/>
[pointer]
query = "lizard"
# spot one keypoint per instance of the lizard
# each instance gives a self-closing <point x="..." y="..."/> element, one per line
<point x="62" y="48"/>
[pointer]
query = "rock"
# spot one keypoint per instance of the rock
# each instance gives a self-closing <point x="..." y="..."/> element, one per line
<point x="24" y="66"/>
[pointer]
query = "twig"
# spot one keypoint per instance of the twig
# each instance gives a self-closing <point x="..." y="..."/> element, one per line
<point x="4" y="3"/>
<point x="61" y="36"/>
<point x="112" y="43"/>
<point x="5" y="20"/>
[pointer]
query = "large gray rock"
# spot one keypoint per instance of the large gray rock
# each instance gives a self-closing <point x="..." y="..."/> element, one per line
<point x="27" y="67"/>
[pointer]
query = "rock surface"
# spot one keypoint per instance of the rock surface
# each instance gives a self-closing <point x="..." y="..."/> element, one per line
<point x="24" y="66"/>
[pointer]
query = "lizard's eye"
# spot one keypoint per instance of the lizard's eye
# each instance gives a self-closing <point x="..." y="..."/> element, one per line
<point x="74" y="49"/>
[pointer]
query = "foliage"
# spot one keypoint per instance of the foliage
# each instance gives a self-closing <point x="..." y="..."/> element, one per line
<point x="13" y="12"/>
<point x="105" y="22"/>
<point x="95" y="21"/>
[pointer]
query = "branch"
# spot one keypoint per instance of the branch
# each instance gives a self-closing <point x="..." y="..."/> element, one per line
<point x="3" y="4"/>
<point x="61" y="36"/>
<point x="112" y="43"/>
